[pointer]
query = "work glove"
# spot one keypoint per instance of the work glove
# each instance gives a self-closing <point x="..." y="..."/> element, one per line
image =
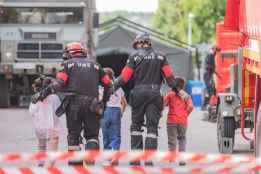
<point x="118" y="82"/>
<point x="40" y="96"/>
<point x="36" y="97"/>
<point x="183" y="94"/>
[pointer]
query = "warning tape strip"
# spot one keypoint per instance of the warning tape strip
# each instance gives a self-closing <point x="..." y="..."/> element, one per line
<point x="126" y="157"/>
<point x="246" y="168"/>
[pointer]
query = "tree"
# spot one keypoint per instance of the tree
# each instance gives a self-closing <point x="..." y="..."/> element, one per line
<point x="172" y="18"/>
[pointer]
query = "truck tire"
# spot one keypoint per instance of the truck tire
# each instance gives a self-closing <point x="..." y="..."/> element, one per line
<point x="258" y="133"/>
<point x="229" y="127"/>
<point x="225" y="133"/>
<point x="5" y="98"/>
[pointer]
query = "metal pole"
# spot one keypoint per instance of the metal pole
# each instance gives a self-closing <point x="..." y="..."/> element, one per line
<point x="91" y="8"/>
<point x="198" y="63"/>
<point x="190" y="17"/>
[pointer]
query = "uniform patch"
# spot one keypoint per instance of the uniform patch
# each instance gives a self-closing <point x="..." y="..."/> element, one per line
<point x="62" y="76"/>
<point x="167" y="70"/>
<point x="160" y="57"/>
<point x="149" y="57"/>
<point x="136" y="58"/>
<point x="106" y="80"/>
<point x="97" y="67"/>
<point x="126" y="73"/>
<point x="70" y="65"/>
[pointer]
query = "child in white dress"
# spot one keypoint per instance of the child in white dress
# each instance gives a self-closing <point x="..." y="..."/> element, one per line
<point x="47" y="125"/>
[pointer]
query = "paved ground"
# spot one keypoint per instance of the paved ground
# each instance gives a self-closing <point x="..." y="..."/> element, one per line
<point x="17" y="133"/>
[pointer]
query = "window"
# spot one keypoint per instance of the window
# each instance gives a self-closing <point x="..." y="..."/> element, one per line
<point x="41" y="15"/>
<point x="27" y="55"/>
<point x="52" y="55"/>
<point x="51" y="51"/>
<point x="28" y="46"/>
<point x="52" y="46"/>
<point x="28" y="51"/>
<point x="39" y="50"/>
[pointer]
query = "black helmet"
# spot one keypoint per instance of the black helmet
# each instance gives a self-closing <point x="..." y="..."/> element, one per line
<point x="141" y="38"/>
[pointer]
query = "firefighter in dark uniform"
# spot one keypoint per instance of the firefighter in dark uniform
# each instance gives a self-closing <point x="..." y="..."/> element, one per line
<point x="208" y="77"/>
<point x="147" y="68"/>
<point x="80" y="79"/>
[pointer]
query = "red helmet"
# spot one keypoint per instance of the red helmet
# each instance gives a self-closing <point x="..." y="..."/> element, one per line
<point x="72" y="49"/>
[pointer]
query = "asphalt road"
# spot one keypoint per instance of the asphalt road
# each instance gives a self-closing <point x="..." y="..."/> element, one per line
<point x="17" y="133"/>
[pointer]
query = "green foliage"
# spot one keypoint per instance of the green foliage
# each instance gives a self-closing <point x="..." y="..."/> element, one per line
<point x="172" y="18"/>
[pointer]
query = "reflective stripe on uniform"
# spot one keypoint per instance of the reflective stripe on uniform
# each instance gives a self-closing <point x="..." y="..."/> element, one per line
<point x="106" y="80"/>
<point x="136" y="133"/>
<point x="126" y="73"/>
<point x="74" y="148"/>
<point x="167" y="71"/>
<point x="92" y="140"/>
<point x="62" y="76"/>
<point x="150" y="135"/>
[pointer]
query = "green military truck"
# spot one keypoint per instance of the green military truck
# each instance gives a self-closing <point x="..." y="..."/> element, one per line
<point x="32" y="37"/>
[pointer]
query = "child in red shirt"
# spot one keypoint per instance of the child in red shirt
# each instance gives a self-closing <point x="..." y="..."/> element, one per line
<point x="179" y="110"/>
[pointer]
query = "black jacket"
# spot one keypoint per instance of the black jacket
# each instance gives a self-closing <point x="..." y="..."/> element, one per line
<point x="82" y="76"/>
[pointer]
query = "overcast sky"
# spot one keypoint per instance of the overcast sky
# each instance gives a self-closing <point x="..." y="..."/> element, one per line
<point x="129" y="5"/>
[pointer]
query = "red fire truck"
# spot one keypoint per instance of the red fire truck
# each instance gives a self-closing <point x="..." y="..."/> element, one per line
<point x="238" y="79"/>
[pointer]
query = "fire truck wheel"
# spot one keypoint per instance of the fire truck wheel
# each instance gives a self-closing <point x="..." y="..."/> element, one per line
<point x="225" y="133"/>
<point x="4" y="99"/>
<point x="258" y="133"/>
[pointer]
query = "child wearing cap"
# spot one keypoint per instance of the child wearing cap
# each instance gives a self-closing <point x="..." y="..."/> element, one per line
<point x="177" y="121"/>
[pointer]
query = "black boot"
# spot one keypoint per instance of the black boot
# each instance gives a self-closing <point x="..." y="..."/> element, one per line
<point x="151" y="143"/>
<point x="91" y="144"/>
<point x="136" y="144"/>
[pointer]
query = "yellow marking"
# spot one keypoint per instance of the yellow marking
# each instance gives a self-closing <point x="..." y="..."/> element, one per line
<point x="253" y="69"/>
<point x="253" y="55"/>
<point x="247" y="87"/>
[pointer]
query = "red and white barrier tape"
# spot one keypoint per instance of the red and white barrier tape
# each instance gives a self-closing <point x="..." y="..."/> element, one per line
<point x="246" y="168"/>
<point x="126" y="157"/>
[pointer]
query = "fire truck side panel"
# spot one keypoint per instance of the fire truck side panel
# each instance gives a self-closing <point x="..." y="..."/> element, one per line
<point x="228" y="41"/>
<point x="251" y="18"/>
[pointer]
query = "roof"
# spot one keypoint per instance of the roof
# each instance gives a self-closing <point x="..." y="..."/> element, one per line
<point x="138" y="28"/>
<point x="116" y="37"/>
<point x="120" y="32"/>
<point x="120" y="39"/>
